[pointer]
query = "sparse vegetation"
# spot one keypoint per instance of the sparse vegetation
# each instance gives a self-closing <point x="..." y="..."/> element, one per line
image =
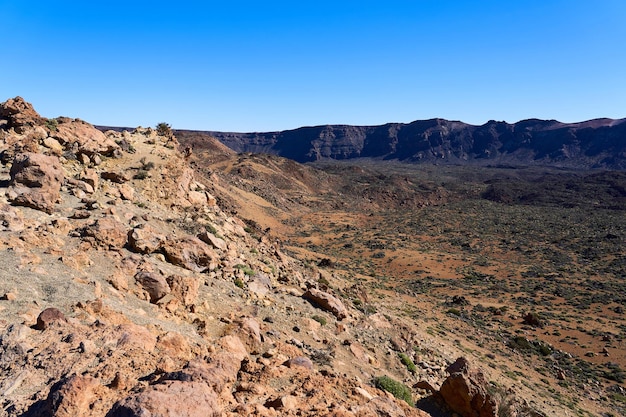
<point x="397" y="389"/>
<point x="164" y="129"/>
<point x="52" y="124"/>
<point x="245" y="268"/>
<point x="408" y="362"/>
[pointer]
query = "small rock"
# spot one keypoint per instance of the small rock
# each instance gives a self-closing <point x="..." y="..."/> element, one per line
<point x="9" y="296"/>
<point x="326" y="302"/>
<point x="299" y="361"/>
<point x="49" y="316"/>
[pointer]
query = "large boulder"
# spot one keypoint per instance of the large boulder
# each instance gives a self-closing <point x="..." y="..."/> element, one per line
<point x="19" y="114"/>
<point x="154" y="284"/>
<point x="465" y="391"/>
<point x="82" y="138"/>
<point x="145" y="239"/>
<point x="73" y="396"/>
<point x="327" y="302"/>
<point x="108" y="232"/>
<point x="170" y="399"/>
<point x="190" y="253"/>
<point x="36" y="181"/>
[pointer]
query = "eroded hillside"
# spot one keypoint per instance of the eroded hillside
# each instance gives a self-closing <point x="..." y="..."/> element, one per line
<point x="129" y="288"/>
<point x="520" y="268"/>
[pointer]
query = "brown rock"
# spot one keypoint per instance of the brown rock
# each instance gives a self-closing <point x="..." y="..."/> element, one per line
<point x="36" y="181"/>
<point x="212" y="240"/>
<point x="184" y="288"/>
<point x="154" y="284"/>
<point x="73" y="396"/>
<point x="190" y="253"/>
<point x="174" y="345"/>
<point x="170" y="399"/>
<point x="465" y="391"/>
<point x="249" y="331"/>
<point x="221" y="372"/>
<point x="299" y="361"/>
<point x="116" y="177"/>
<point x="49" y="316"/>
<point x="90" y="176"/>
<point x="19" y="114"/>
<point x="326" y="302"/>
<point x="108" y="232"/>
<point x="145" y="239"/>
<point x="127" y="192"/>
<point x="11" y="219"/>
<point x="285" y="403"/>
<point x="132" y="336"/>
<point x="84" y="139"/>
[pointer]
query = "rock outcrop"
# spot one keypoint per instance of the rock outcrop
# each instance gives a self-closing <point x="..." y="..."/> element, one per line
<point x="36" y="181"/>
<point x="465" y="391"/>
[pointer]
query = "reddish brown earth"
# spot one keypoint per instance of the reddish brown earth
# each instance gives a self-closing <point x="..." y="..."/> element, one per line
<point x="157" y="283"/>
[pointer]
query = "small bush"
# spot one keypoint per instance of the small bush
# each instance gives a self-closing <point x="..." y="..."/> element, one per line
<point x="142" y="174"/>
<point x="52" y="124"/>
<point x="246" y="269"/>
<point x="320" y="319"/>
<point x="164" y="129"/>
<point x="397" y="389"/>
<point x="410" y="366"/>
<point x="239" y="283"/>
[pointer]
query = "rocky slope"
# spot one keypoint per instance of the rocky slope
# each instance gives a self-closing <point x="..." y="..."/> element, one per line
<point x="127" y="291"/>
<point x="592" y="144"/>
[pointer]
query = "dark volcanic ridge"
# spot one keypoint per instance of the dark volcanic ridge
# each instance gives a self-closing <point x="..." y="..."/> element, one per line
<point x="598" y="143"/>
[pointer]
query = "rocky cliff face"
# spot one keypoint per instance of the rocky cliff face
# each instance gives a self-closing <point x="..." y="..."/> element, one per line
<point x="599" y="143"/>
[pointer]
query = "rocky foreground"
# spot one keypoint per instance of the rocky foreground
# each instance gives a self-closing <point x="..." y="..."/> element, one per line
<point x="127" y="291"/>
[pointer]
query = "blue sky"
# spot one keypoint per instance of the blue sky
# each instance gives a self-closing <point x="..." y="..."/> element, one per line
<point x="273" y="65"/>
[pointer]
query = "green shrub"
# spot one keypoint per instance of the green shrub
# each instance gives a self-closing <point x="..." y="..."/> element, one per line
<point x="454" y="311"/>
<point x="164" y="129"/>
<point x="397" y="389"/>
<point x="239" y="282"/>
<point x="52" y="124"/>
<point x="246" y="269"/>
<point x="320" y="319"/>
<point x="407" y="362"/>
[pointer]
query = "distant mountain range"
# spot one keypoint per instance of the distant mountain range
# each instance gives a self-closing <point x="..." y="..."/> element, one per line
<point x="599" y="143"/>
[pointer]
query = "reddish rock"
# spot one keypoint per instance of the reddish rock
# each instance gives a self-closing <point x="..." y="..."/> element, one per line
<point x="184" y="288"/>
<point x="73" y="396"/>
<point x="19" y="114"/>
<point x="170" y="399"/>
<point x="222" y="370"/>
<point x="174" y="345"/>
<point x="465" y="391"/>
<point x="284" y="403"/>
<point x="83" y="138"/>
<point x="326" y="302"/>
<point x="190" y="253"/>
<point x="108" y="232"/>
<point x="299" y="361"/>
<point x="49" y="316"/>
<point x="132" y="336"/>
<point x="36" y="181"/>
<point x="145" y="239"/>
<point x="116" y="177"/>
<point x="90" y="176"/>
<point x="213" y="240"/>
<point x="154" y="284"/>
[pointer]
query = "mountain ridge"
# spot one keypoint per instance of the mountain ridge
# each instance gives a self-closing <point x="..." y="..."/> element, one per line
<point x="595" y="144"/>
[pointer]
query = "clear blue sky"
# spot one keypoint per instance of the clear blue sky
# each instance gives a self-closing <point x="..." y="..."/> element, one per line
<point x="272" y="65"/>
